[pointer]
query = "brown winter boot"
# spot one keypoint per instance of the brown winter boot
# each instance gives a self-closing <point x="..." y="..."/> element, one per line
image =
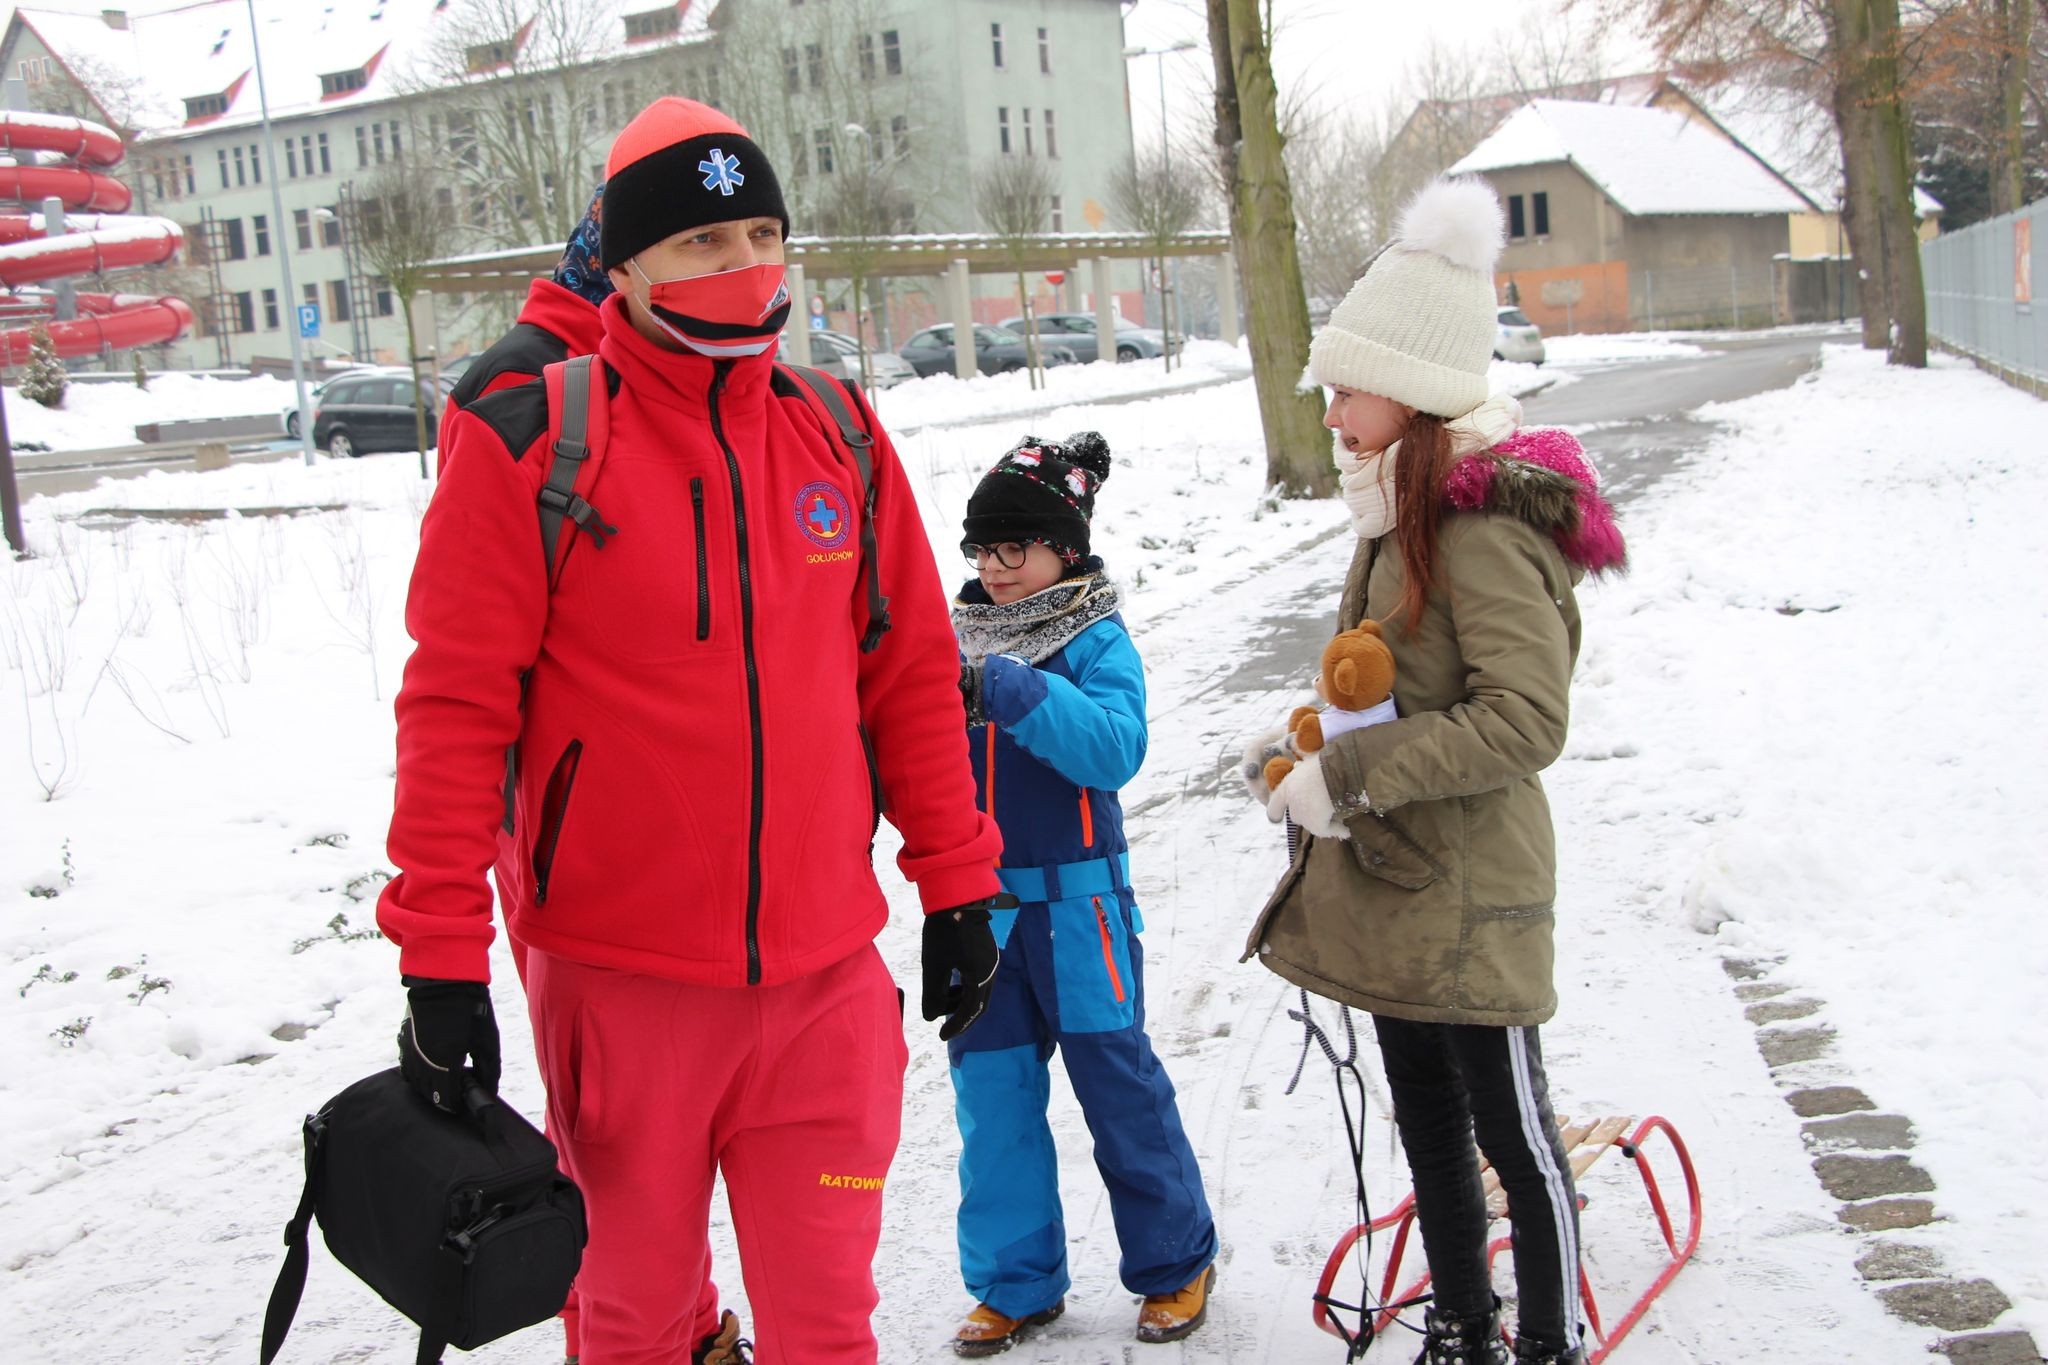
<point x="987" y="1332"/>
<point x="1169" y="1317"/>
<point x="725" y="1346"/>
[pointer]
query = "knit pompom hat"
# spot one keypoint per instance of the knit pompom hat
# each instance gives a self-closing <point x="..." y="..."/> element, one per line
<point x="1419" y="326"/>
<point x="1040" y="492"/>
<point x="678" y="165"/>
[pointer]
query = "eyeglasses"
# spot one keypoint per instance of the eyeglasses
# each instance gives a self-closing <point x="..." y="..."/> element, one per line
<point x="1009" y="554"/>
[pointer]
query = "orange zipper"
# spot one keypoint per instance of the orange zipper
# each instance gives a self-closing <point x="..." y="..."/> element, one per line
<point x="990" y="781"/>
<point x="1116" y="980"/>
<point x="1087" y="821"/>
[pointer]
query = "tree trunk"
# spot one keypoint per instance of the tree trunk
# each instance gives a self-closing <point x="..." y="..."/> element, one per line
<point x="1262" y="230"/>
<point x="2015" y="25"/>
<point x="1892" y="131"/>
<point x="1860" y="216"/>
<point x="419" y="394"/>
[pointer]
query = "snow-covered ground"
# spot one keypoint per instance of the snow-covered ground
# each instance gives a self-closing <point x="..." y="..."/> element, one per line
<point x="96" y="416"/>
<point x="207" y="701"/>
<point x="1614" y="348"/>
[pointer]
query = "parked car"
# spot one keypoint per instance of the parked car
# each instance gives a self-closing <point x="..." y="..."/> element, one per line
<point x="359" y="414"/>
<point x="838" y="355"/>
<point x="995" y="352"/>
<point x="1517" y="338"/>
<point x="1076" y="332"/>
<point x="314" y="388"/>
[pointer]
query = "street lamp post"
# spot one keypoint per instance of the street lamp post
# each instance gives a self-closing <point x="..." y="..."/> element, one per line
<point x="284" y="255"/>
<point x="1159" y="56"/>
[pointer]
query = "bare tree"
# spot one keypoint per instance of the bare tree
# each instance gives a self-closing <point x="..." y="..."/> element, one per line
<point x="1252" y="152"/>
<point x="1013" y="195"/>
<point x="1161" y="205"/>
<point x="399" y="222"/>
<point x="1343" y="201"/>
<point x="511" y="94"/>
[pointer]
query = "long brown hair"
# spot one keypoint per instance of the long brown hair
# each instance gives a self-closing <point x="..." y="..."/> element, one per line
<point x="1419" y="474"/>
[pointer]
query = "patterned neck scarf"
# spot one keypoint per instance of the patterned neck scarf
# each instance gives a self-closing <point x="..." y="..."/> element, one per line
<point x="1035" y="627"/>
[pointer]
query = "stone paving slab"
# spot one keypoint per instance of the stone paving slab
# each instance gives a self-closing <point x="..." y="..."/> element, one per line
<point x="1991" y="1348"/>
<point x="1828" y="1099"/>
<point x="1951" y="1305"/>
<point x="1781" y="1011"/>
<point x="1789" y="1046"/>
<point x="1854" y="1178"/>
<point x="1868" y="1132"/>
<point x="1887" y="1215"/>
<point x="1899" y="1261"/>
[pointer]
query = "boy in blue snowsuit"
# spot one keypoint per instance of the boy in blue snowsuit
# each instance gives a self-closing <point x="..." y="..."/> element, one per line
<point x="1055" y="699"/>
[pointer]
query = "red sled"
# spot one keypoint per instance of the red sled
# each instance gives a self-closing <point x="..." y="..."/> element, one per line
<point x="1585" y="1142"/>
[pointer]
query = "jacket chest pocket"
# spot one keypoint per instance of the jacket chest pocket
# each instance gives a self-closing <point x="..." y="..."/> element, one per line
<point x="1387" y="851"/>
<point x="656" y="591"/>
<point x="1092" y="962"/>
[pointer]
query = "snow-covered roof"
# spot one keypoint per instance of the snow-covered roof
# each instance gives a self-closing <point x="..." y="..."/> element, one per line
<point x="174" y="52"/>
<point x="1785" y="130"/>
<point x="1648" y="161"/>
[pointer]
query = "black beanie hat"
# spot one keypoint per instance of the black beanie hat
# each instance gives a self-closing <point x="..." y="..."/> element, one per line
<point x="678" y="165"/>
<point x="1043" y="492"/>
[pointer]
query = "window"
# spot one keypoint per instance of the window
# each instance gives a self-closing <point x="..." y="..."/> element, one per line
<point x="1539" y="204"/>
<point x="444" y="198"/>
<point x="867" y="56"/>
<point x="479" y="209"/>
<point x="1044" y="53"/>
<point x="792" y="72"/>
<point x="899" y="133"/>
<point x="814" y="65"/>
<point x="233" y="247"/>
<point x="377" y="141"/>
<point x="462" y="143"/>
<point x="330" y="230"/>
<point x="1003" y="129"/>
<point x="270" y="310"/>
<point x="384" y="303"/>
<point x="342" y="82"/>
<point x="242" y="308"/>
<point x="1517" y="224"/>
<point x="291" y="159"/>
<point x="337" y="301"/>
<point x="995" y="42"/>
<point x="892" y="53"/>
<point x="801" y="160"/>
<point x="35" y="70"/>
<point x="1052" y="138"/>
<point x="326" y="165"/>
<point x="484" y="56"/>
<point x="261" y="225"/>
<point x="1059" y="212"/>
<point x="302" y="225"/>
<point x="241" y="169"/>
<point x="362" y="147"/>
<point x="713" y="87"/>
<point x="255" y="164"/>
<point x="821" y="142"/>
<point x="222" y="152"/>
<point x="653" y="23"/>
<point x="312" y="293"/>
<point x="1027" y="133"/>
<point x="191" y="185"/>
<point x="205" y="106"/>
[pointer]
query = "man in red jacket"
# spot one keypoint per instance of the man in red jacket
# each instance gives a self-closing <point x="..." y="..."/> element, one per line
<point x="705" y="752"/>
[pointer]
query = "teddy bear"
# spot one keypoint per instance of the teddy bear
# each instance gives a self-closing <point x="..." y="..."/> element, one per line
<point x="1357" y="682"/>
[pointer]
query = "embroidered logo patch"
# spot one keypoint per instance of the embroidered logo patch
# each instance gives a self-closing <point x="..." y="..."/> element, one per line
<point x="721" y="172"/>
<point x="823" y="516"/>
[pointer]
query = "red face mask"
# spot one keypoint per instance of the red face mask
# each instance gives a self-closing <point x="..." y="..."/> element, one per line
<point x="724" y="314"/>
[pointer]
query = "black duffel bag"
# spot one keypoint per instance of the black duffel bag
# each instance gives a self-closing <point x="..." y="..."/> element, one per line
<point x="463" y="1224"/>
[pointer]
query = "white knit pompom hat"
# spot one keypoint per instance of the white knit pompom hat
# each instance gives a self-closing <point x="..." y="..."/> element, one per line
<point x="1419" y="326"/>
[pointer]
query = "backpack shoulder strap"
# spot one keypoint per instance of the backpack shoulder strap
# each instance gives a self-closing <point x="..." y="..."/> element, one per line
<point x="577" y="391"/>
<point x="826" y="398"/>
<point x="291" y="1278"/>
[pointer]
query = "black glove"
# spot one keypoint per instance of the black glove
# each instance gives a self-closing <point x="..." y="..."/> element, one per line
<point x="960" y="961"/>
<point x="970" y="693"/>
<point x="446" y="1021"/>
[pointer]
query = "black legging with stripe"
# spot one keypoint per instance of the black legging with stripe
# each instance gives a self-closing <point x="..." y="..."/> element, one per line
<point x="1450" y="1083"/>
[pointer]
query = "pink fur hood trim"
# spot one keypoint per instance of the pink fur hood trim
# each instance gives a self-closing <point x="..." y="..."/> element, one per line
<point x="1584" y="529"/>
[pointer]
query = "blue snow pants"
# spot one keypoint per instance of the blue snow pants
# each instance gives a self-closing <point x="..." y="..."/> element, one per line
<point x="1072" y="978"/>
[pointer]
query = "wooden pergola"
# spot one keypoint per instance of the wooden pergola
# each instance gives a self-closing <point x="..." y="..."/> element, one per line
<point x="952" y="257"/>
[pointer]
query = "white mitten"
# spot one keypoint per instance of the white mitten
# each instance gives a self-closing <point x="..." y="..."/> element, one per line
<point x="1263" y="748"/>
<point x="1302" y="798"/>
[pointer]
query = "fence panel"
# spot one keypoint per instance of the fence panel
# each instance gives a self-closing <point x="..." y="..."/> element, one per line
<point x="1982" y="302"/>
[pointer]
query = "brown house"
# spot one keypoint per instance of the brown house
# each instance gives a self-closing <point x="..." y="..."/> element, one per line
<point x="1623" y="217"/>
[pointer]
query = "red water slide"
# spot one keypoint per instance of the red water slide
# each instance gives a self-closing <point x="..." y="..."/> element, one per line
<point x="96" y="239"/>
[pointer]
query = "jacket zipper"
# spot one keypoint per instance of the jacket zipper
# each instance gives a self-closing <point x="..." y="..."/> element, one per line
<point x="721" y="369"/>
<point x="1087" y="821"/>
<point x="703" y="562"/>
<point x="554" y="809"/>
<point x="989" y="805"/>
<point x="867" y="750"/>
<point x="1116" y="980"/>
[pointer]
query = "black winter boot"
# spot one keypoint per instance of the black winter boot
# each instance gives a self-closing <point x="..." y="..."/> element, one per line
<point x="1462" y="1341"/>
<point x="1529" y="1352"/>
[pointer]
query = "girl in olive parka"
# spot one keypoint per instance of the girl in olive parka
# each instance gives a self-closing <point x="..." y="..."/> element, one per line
<point x="1424" y="893"/>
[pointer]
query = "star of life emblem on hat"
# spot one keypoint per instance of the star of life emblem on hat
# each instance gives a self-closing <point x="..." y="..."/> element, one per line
<point x="721" y="172"/>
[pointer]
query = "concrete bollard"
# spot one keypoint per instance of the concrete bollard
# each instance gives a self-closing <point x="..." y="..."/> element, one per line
<point x="210" y="455"/>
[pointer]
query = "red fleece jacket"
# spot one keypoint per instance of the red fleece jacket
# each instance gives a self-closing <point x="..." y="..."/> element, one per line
<point x="696" y="796"/>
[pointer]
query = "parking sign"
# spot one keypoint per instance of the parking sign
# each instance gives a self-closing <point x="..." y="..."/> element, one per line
<point x="309" y="319"/>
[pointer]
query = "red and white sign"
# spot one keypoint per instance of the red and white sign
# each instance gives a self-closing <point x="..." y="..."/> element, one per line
<point x="2023" y="260"/>
<point x="1055" y="278"/>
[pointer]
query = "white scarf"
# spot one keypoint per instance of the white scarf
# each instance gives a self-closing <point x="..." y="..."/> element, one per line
<point x="1366" y="482"/>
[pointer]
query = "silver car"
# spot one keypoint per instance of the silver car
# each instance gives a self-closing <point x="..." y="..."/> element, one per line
<point x="838" y="355"/>
<point x="1516" y="338"/>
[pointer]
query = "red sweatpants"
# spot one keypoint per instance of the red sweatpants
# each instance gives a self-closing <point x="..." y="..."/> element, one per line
<point x="794" y="1092"/>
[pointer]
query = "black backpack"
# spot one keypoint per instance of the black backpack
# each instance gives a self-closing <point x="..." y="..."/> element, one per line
<point x="464" y="1224"/>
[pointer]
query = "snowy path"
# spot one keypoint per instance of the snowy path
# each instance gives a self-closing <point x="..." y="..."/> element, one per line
<point x="144" y="1174"/>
